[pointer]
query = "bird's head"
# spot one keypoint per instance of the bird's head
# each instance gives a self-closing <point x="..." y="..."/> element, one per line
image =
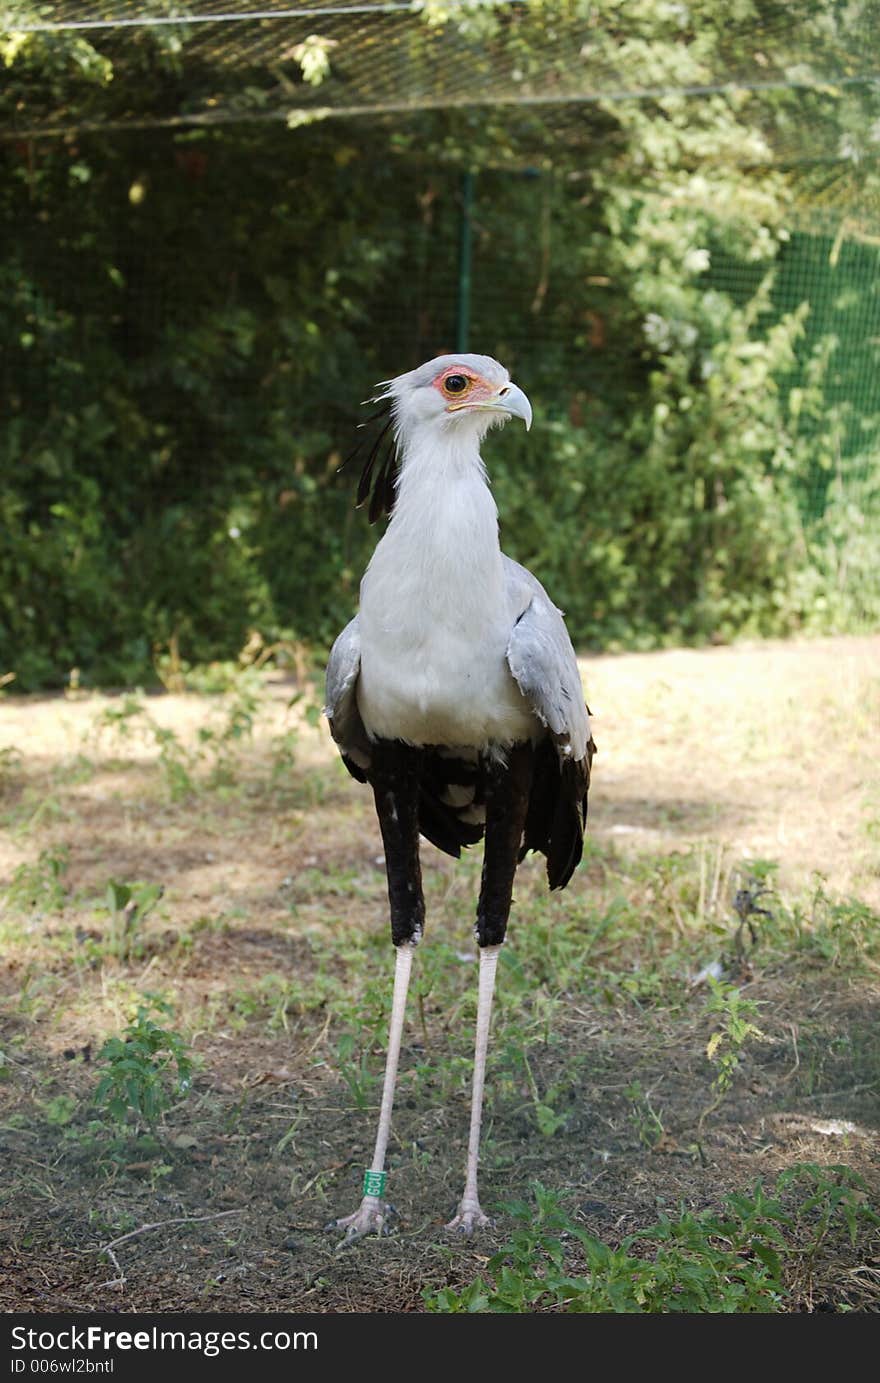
<point x="455" y="392"/>
<point x="442" y="408"/>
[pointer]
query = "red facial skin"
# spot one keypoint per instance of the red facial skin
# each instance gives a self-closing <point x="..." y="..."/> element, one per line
<point x="478" y="390"/>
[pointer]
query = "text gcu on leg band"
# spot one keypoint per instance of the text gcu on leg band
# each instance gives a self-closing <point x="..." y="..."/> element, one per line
<point x="374" y="1183"/>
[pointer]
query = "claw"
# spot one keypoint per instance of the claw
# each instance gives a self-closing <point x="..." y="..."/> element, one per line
<point x="371" y="1217"/>
<point x="470" y="1217"/>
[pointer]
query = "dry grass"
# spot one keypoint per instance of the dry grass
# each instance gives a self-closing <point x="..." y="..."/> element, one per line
<point x="771" y="748"/>
<point x="270" y="944"/>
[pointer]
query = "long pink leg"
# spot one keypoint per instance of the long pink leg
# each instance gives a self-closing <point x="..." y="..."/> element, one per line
<point x="470" y="1215"/>
<point x="508" y="784"/>
<point x="372" y="1213"/>
<point x="394" y="777"/>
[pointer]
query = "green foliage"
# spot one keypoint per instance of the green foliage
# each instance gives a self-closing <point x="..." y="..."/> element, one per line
<point x="128" y="905"/>
<point x="190" y="319"/>
<point x="148" y="1067"/>
<point x="548" y="1119"/>
<point x="10" y="763"/>
<point x="275" y="997"/>
<point x="40" y="886"/>
<point x="644" y="1117"/>
<point x="217" y="744"/>
<point x="737" y="1260"/>
<point x="353" y="1066"/>
<point x="727" y="1043"/>
<point x="131" y="718"/>
<point x="59" y="1110"/>
<point x="840" y="587"/>
<point x="843" y="933"/>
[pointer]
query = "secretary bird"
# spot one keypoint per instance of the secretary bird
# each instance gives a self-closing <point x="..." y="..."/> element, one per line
<point x="455" y="694"/>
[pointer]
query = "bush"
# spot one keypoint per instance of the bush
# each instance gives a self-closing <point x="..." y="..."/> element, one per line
<point x="191" y="320"/>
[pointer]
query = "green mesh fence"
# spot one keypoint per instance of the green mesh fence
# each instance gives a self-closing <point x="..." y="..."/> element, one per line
<point x="491" y="132"/>
<point x="839" y="282"/>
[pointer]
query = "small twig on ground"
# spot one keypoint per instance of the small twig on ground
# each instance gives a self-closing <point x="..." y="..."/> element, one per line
<point x="334" y="1167"/>
<point x="119" y="1280"/>
<point x="792" y="1027"/>
<point x="835" y="1094"/>
<point x="318" y="1040"/>
<point x="160" y="1224"/>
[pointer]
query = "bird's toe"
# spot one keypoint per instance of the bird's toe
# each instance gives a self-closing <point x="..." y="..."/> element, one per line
<point x="372" y="1217"/>
<point x="469" y="1219"/>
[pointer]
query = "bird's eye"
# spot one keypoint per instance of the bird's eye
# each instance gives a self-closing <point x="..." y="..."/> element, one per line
<point x="456" y="384"/>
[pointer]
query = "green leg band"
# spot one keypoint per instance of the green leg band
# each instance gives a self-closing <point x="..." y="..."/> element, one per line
<point x="374" y="1183"/>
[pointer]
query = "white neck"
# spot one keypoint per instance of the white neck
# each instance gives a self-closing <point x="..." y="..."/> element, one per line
<point x="442" y="542"/>
<point x="432" y="449"/>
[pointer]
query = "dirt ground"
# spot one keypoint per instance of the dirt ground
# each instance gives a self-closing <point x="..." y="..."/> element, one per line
<point x="270" y="945"/>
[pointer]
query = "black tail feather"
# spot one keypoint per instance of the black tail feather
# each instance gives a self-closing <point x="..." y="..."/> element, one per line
<point x="557" y="811"/>
<point x="439" y="822"/>
<point x="443" y="827"/>
<point x="556" y="816"/>
<point x="566" y="841"/>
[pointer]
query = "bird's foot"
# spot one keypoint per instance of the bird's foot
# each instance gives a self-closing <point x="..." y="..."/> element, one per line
<point x="469" y="1218"/>
<point x="371" y="1217"/>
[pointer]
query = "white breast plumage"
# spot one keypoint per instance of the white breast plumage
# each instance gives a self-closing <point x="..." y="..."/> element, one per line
<point x="435" y="618"/>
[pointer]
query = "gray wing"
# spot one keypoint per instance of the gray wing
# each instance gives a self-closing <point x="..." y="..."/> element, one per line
<point x="341" y="708"/>
<point x="541" y="657"/>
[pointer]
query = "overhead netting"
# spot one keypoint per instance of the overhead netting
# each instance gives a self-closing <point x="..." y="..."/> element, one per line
<point x="550" y="79"/>
<point x="260" y="59"/>
<point x="377" y="182"/>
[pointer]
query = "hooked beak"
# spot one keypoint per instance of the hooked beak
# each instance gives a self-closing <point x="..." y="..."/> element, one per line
<point x="510" y="399"/>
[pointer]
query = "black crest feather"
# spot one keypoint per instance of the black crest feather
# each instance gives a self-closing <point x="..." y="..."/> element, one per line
<point x="378" y="456"/>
